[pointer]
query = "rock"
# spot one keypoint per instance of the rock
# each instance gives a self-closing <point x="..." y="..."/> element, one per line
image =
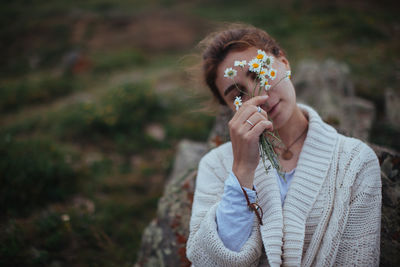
<point x="188" y="156"/>
<point x="156" y="131"/>
<point x="356" y="117"/>
<point x="322" y="85"/>
<point x="164" y="240"/>
<point x="327" y="87"/>
<point x="390" y="224"/>
<point x="392" y="108"/>
<point x="220" y="132"/>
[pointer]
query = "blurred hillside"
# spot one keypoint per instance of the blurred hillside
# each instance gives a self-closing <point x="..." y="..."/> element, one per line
<point x="94" y="99"/>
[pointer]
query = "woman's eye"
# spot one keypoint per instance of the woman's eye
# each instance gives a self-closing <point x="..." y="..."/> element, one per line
<point x="253" y="75"/>
<point x="237" y="94"/>
<point x="241" y="94"/>
<point x="240" y="91"/>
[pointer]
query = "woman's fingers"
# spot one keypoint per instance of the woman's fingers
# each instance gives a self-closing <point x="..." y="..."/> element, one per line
<point x="259" y="128"/>
<point x="245" y="128"/>
<point x="248" y="116"/>
<point x="250" y="107"/>
<point x="257" y="100"/>
<point x="253" y="120"/>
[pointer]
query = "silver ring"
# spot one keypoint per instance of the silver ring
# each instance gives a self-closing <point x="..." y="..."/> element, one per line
<point x="250" y="122"/>
<point x="258" y="109"/>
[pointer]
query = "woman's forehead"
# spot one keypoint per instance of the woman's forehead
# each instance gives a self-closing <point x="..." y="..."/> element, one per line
<point x="237" y="55"/>
<point x="241" y="54"/>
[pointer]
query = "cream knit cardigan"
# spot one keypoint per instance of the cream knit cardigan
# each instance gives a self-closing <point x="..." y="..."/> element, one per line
<point x="331" y="215"/>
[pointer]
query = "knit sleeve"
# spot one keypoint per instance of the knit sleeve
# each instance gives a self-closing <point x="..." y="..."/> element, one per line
<point x="360" y="242"/>
<point x="204" y="246"/>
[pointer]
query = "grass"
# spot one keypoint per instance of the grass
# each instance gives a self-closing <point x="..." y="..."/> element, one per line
<point x="111" y="61"/>
<point x="21" y="93"/>
<point x="121" y="180"/>
<point x="33" y="173"/>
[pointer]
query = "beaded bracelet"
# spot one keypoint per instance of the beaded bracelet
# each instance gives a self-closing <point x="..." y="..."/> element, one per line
<point x="254" y="207"/>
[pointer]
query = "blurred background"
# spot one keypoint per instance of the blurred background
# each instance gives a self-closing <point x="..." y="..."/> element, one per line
<point x="94" y="98"/>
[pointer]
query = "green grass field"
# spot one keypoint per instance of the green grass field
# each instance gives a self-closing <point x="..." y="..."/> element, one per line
<point x="83" y="85"/>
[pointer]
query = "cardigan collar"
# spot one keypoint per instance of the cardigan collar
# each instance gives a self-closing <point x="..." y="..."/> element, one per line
<point x="285" y="227"/>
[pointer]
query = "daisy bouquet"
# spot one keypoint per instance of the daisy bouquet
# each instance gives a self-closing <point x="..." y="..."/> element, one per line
<point x="261" y="66"/>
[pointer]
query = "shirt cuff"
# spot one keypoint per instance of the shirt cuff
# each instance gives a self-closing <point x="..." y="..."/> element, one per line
<point x="234" y="189"/>
<point x="233" y="216"/>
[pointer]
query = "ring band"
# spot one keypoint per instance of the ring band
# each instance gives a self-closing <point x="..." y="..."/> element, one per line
<point x="258" y="109"/>
<point x="250" y="122"/>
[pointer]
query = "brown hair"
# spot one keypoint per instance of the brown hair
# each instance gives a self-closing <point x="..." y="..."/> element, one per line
<point x="219" y="44"/>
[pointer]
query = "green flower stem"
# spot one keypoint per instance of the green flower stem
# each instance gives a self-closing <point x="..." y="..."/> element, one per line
<point x="255" y="87"/>
<point x="268" y="153"/>
<point x="243" y="92"/>
<point x="277" y="83"/>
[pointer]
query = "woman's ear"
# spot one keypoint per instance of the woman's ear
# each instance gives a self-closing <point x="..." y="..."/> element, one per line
<point x="285" y="62"/>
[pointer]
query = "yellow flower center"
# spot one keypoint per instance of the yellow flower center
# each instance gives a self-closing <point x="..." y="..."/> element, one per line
<point x="266" y="82"/>
<point x="255" y="65"/>
<point x="260" y="56"/>
<point x="272" y="73"/>
<point x="262" y="72"/>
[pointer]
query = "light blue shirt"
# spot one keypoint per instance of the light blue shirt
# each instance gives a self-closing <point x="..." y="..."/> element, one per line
<point x="234" y="218"/>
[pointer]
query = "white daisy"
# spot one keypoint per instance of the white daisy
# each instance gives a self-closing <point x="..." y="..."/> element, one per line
<point x="240" y="63"/>
<point x="265" y="84"/>
<point x="237" y="102"/>
<point x="288" y="75"/>
<point x="230" y="73"/>
<point x="272" y="73"/>
<point x="261" y="55"/>
<point x="263" y="72"/>
<point x="255" y="65"/>
<point x="269" y="61"/>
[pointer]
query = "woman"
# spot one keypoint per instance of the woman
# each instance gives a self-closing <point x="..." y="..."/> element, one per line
<point x="326" y="212"/>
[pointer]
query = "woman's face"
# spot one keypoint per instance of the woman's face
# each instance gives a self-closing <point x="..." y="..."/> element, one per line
<point x="282" y="98"/>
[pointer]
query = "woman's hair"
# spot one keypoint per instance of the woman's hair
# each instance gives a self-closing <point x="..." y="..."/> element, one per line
<point x="219" y="44"/>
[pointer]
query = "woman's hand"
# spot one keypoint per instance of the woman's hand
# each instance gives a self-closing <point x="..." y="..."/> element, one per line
<point x="245" y="138"/>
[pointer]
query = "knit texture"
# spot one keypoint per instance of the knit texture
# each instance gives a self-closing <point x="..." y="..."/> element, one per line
<point x="331" y="215"/>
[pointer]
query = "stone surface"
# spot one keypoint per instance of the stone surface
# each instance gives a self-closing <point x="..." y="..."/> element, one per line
<point x="164" y="240"/>
<point x="187" y="157"/>
<point x="390" y="228"/>
<point x="220" y="132"/>
<point x="392" y="107"/>
<point x="156" y="131"/>
<point x="356" y="117"/>
<point x="328" y="88"/>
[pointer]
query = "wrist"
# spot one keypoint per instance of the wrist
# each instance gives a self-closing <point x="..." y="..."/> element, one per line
<point x="244" y="177"/>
